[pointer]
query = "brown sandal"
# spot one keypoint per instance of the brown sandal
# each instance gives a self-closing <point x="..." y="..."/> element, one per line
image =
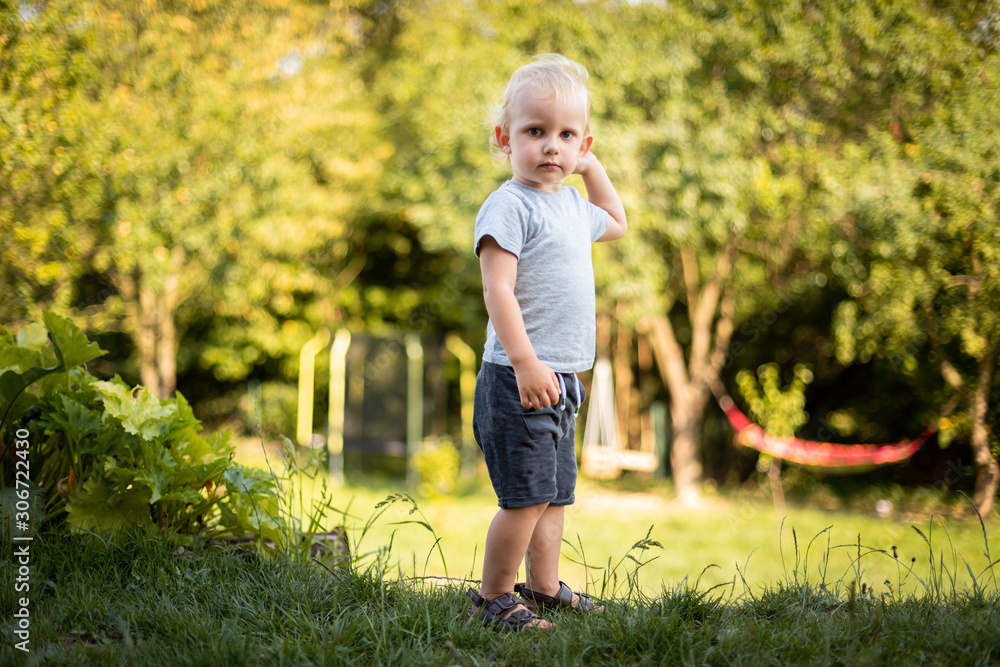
<point x="561" y="600"/>
<point x="494" y="613"/>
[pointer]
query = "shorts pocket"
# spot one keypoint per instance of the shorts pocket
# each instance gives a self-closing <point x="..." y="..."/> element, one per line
<point x="542" y="423"/>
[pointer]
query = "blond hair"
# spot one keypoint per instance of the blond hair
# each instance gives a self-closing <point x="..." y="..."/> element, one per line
<point x="548" y="75"/>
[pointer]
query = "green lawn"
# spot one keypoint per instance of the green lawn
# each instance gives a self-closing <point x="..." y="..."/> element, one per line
<point x="137" y="600"/>
<point x="734" y="539"/>
<point x="143" y="601"/>
<point x="742" y="539"/>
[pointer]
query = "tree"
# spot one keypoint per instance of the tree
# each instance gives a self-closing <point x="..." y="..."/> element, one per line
<point x="244" y="184"/>
<point x="51" y="195"/>
<point x="212" y="168"/>
<point x="725" y="165"/>
<point x="932" y="289"/>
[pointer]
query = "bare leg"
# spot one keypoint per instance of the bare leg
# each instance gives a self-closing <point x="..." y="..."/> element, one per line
<point x="506" y="543"/>
<point x="543" y="551"/>
<point x="543" y="554"/>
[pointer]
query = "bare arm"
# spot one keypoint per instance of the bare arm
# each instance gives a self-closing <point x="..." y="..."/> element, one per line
<point x="602" y="193"/>
<point x="536" y="383"/>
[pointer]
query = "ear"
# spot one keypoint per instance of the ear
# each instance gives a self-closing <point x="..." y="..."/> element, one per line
<point x="503" y="139"/>
<point x="585" y="145"/>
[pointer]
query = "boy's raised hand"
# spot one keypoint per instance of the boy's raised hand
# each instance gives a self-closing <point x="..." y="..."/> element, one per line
<point x="586" y="161"/>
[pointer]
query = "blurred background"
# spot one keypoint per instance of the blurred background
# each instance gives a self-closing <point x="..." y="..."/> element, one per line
<point x="813" y="190"/>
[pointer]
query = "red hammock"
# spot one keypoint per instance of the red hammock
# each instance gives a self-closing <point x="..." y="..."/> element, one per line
<point x="825" y="455"/>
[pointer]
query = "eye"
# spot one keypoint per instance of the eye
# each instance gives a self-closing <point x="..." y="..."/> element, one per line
<point x="567" y="134"/>
<point x="534" y="132"/>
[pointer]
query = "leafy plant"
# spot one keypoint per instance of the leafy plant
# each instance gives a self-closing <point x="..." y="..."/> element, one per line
<point x="781" y="411"/>
<point x="105" y="456"/>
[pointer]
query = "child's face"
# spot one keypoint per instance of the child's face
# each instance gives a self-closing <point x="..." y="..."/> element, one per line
<point x="546" y="139"/>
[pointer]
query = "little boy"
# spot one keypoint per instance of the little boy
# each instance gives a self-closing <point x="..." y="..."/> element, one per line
<point x="533" y="237"/>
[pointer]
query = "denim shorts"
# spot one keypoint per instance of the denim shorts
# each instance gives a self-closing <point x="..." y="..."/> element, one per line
<point x="530" y="454"/>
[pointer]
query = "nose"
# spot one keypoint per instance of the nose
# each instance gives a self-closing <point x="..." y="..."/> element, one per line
<point x="551" y="145"/>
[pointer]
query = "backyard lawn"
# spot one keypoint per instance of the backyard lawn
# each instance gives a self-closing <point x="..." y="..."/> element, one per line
<point x="788" y="595"/>
<point x="735" y="541"/>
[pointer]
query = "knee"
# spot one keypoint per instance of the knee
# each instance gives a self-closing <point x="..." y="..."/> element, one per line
<point x="530" y="512"/>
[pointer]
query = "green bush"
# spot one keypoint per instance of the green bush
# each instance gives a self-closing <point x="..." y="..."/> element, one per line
<point x="101" y="456"/>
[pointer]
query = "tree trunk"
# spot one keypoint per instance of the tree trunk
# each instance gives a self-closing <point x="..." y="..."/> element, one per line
<point x="710" y="311"/>
<point x="689" y="394"/>
<point x="144" y="335"/>
<point x="166" y="350"/>
<point x="150" y="314"/>
<point x="156" y="338"/>
<point x="777" y="493"/>
<point x="987" y="469"/>
<point x="686" y="409"/>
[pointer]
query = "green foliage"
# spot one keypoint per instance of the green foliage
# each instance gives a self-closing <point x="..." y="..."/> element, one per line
<point x="107" y="457"/>
<point x="50" y="173"/>
<point x="28" y="359"/>
<point x="780" y="411"/>
<point x="921" y="247"/>
<point x="215" y="181"/>
<point x="170" y="165"/>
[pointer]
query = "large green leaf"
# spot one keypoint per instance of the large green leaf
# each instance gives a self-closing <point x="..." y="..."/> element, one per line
<point x="248" y="481"/>
<point x="97" y="507"/>
<point x="169" y="483"/>
<point x="189" y="447"/>
<point x="121" y="476"/>
<point x="14" y="357"/>
<point x="12" y="384"/>
<point x="183" y="495"/>
<point x="157" y="479"/>
<point x="72" y="345"/>
<point x="140" y="412"/>
<point x="32" y="336"/>
<point x="73" y="418"/>
<point x="183" y="422"/>
<point x="251" y="504"/>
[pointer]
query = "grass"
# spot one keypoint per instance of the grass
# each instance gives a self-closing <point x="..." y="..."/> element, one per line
<point x="142" y="601"/>
<point x="730" y="585"/>
<point x="743" y="540"/>
<point x="737" y="537"/>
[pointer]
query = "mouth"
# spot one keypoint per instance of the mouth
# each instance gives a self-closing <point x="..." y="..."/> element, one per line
<point x="549" y="165"/>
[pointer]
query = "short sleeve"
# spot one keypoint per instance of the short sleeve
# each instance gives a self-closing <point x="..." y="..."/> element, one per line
<point x="599" y="220"/>
<point x="504" y="217"/>
<point x="595" y="215"/>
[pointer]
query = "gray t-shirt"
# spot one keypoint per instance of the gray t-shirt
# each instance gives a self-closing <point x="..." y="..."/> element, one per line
<point x="551" y="234"/>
